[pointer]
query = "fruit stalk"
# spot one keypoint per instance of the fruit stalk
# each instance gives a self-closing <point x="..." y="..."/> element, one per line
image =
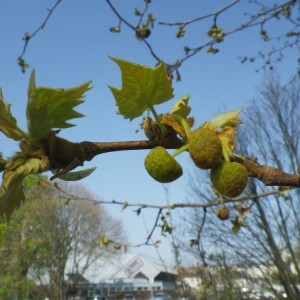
<point x="184" y="124"/>
<point x="161" y="126"/>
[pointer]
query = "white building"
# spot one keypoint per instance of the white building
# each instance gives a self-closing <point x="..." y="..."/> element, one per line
<point x="131" y="276"/>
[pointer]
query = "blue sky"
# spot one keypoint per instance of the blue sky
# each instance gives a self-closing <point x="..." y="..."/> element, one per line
<point x="75" y="46"/>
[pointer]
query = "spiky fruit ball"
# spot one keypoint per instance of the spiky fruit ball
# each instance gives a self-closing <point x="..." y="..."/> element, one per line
<point x="229" y="178"/>
<point x="161" y="166"/>
<point x="222" y="213"/>
<point x="205" y="148"/>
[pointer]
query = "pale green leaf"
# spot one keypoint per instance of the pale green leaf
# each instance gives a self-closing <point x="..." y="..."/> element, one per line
<point x="8" y="124"/>
<point x="77" y="175"/>
<point x="124" y="206"/>
<point x="11" y="190"/>
<point x="227" y="119"/>
<point x="227" y="137"/>
<point x="142" y="88"/>
<point x="49" y="108"/>
<point x="181" y="107"/>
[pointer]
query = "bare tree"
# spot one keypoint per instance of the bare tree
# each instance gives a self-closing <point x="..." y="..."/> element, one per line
<point x="54" y="236"/>
<point x="270" y="241"/>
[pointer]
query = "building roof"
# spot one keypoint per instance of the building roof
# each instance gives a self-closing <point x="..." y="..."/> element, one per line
<point x="76" y="277"/>
<point x="127" y="267"/>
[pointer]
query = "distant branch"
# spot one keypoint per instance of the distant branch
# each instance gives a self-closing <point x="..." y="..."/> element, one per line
<point x="154" y="226"/>
<point x="140" y="206"/>
<point x="213" y="14"/>
<point x="134" y="29"/>
<point x="67" y="197"/>
<point x="258" y="19"/>
<point x="27" y="36"/>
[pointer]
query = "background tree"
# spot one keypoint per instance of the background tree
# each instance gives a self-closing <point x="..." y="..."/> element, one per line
<point x="270" y="239"/>
<point x="52" y="236"/>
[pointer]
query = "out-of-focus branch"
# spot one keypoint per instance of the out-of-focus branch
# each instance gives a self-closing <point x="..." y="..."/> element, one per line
<point x="138" y="207"/>
<point x="153" y="53"/>
<point x="213" y="14"/>
<point x="258" y="19"/>
<point x="28" y="36"/>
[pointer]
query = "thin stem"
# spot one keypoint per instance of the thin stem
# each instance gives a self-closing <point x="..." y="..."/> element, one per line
<point x="134" y="29"/>
<point x="184" y="123"/>
<point x="180" y="150"/>
<point x="161" y="126"/>
<point x="213" y="14"/>
<point x="28" y="36"/>
<point x="140" y="206"/>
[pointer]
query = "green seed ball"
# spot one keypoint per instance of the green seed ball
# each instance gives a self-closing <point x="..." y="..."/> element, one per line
<point x="205" y="148"/>
<point x="229" y="178"/>
<point x="161" y="166"/>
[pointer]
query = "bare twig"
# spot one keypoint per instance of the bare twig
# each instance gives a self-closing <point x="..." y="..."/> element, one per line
<point x="259" y="19"/>
<point x="154" y="226"/>
<point x="200" y="247"/>
<point x="213" y="14"/>
<point x="213" y="203"/>
<point x="134" y="29"/>
<point x="27" y="36"/>
<point x="160" y="208"/>
<point x="254" y="21"/>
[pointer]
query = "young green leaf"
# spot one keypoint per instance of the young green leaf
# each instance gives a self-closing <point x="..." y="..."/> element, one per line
<point x="49" y="108"/>
<point x="8" y="124"/>
<point x="142" y="88"/>
<point x="11" y="197"/>
<point x="124" y="206"/>
<point x="104" y="241"/>
<point x="227" y="137"/>
<point x="227" y="119"/>
<point x="237" y="224"/>
<point x="11" y="190"/>
<point x="77" y="175"/>
<point x="181" y="107"/>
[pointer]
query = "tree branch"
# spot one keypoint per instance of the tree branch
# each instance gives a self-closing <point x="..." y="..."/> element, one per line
<point x="270" y="176"/>
<point x="134" y="29"/>
<point x="154" y="226"/>
<point x="124" y="204"/>
<point x="67" y="196"/>
<point x="213" y="14"/>
<point x="260" y="18"/>
<point x="27" y="37"/>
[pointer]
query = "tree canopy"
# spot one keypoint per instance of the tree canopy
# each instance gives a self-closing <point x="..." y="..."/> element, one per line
<point x="51" y="236"/>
